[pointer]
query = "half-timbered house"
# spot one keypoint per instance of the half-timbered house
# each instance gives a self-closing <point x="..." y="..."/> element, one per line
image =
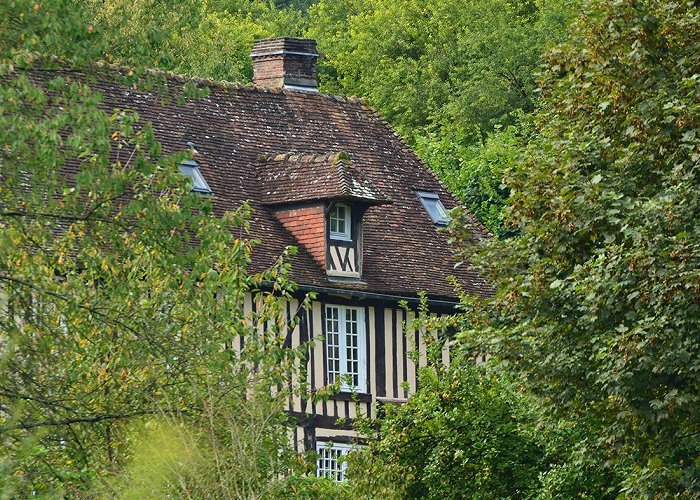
<point x="328" y="175"/>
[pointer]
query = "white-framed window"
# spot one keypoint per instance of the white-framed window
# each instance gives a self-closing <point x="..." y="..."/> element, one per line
<point x="339" y="219"/>
<point x="330" y="463"/>
<point x="436" y="210"/>
<point x="345" y="347"/>
<point x="190" y="169"/>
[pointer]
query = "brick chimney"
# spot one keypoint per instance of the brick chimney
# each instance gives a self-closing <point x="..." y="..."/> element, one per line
<point x="285" y="63"/>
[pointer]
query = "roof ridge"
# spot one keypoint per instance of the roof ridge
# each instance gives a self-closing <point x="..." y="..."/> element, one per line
<point x="344" y="176"/>
<point x="304" y="156"/>
<point x="106" y="67"/>
<point x="336" y="172"/>
<point x="184" y="78"/>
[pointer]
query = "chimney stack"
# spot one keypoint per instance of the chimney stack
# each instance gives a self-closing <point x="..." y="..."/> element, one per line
<point x="288" y="63"/>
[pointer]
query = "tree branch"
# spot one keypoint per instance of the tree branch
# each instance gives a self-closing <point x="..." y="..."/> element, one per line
<point x="85" y="420"/>
<point x="92" y="310"/>
<point x="75" y="420"/>
<point x="77" y="218"/>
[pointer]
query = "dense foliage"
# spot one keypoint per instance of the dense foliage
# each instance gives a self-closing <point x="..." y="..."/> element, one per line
<point x="464" y="434"/>
<point x="206" y="38"/>
<point x="597" y="308"/>
<point x="210" y="38"/>
<point x="121" y="290"/>
<point x="445" y="73"/>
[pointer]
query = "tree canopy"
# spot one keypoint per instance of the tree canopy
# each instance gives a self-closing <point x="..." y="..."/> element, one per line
<point x="121" y="291"/>
<point x="465" y="434"/>
<point x="597" y="307"/>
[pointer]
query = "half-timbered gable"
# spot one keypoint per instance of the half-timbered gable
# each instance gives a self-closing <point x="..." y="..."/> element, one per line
<point x="321" y="199"/>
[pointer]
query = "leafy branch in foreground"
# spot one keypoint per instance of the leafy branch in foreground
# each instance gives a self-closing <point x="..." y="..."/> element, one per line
<point x="122" y="293"/>
<point x="465" y="434"/>
<point x="597" y="308"/>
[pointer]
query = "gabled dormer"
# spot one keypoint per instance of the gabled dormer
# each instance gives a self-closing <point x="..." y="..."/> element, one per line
<point x="321" y="199"/>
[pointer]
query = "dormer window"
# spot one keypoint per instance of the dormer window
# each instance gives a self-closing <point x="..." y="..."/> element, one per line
<point x="436" y="210"/>
<point x="321" y="199"/>
<point x="190" y="169"/>
<point x="339" y="218"/>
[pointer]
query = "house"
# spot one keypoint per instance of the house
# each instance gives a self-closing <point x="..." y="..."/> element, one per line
<point x="328" y="175"/>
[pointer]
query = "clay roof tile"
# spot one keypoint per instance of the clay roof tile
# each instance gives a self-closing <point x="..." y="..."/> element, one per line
<point x="267" y="147"/>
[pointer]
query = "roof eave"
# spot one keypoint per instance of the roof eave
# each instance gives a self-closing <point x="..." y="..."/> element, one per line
<point x="324" y="199"/>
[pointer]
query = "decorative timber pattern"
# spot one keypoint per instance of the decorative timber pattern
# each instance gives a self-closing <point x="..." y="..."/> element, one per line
<point x="391" y="374"/>
<point x="342" y="260"/>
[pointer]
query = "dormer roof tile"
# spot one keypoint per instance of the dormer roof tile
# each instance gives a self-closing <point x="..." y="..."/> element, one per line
<point x="302" y="177"/>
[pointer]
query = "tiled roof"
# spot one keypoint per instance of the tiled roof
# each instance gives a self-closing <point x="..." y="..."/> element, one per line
<point x="234" y="126"/>
<point x="294" y="177"/>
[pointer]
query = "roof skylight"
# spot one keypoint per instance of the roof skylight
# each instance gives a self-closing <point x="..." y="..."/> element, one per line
<point x="436" y="210"/>
<point x="189" y="168"/>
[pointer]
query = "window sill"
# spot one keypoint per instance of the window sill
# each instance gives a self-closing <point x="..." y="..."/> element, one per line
<point x="338" y="237"/>
<point x="352" y="396"/>
<point x="355" y="280"/>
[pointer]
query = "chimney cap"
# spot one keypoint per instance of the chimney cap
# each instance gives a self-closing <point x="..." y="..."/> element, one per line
<point x="284" y="45"/>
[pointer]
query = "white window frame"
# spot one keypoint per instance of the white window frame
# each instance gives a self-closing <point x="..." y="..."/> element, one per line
<point x="329" y="464"/>
<point x="332" y="215"/>
<point x="341" y="340"/>
<point x="190" y="169"/>
<point x="426" y="199"/>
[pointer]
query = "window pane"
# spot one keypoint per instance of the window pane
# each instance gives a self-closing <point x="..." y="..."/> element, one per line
<point x="339" y="218"/>
<point x="189" y="169"/>
<point x="344" y="349"/>
<point x="434" y="208"/>
<point x="329" y="462"/>
<point x="333" y="343"/>
<point x="351" y="345"/>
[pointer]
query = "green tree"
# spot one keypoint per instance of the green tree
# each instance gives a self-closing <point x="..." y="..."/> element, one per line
<point x="464" y="434"/>
<point x="210" y="38"/>
<point x="597" y="297"/>
<point x="464" y="65"/>
<point x="444" y="74"/>
<point x="121" y="292"/>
